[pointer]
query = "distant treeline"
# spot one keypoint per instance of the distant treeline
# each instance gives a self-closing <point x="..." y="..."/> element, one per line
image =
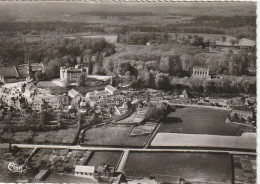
<point x="117" y="13"/>
<point x="66" y="27"/>
<point x="225" y="22"/>
<point x="168" y="28"/>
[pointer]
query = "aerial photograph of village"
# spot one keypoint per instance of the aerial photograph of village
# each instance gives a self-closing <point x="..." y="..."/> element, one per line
<point x="131" y="93"/>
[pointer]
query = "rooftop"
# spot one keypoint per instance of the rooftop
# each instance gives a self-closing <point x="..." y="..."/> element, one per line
<point x="110" y="88"/>
<point x="9" y="71"/>
<point x="83" y="168"/>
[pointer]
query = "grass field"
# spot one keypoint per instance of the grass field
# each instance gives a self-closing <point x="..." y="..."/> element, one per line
<point x="107" y="157"/>
<point x="195" y="120"/>
<point x="168" y="167"/>
<point x="111" y="135"/>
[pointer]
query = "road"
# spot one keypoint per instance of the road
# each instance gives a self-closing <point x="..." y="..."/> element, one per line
<point x="78" y="147"/>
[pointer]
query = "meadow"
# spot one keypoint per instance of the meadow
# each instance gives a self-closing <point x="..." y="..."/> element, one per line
<point x="196" y="120"/>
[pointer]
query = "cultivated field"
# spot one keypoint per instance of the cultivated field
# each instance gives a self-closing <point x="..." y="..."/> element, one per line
<point x="111" y="135"/>
<point x="196" y="120"/>
<point x="168" y="167"/>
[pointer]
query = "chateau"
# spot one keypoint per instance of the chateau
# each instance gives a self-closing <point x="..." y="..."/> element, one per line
<point x="199" y="72"/>
<point x="72" y="73"/>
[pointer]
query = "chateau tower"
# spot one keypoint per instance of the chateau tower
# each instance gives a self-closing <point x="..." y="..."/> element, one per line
<point x="29" y="71"/>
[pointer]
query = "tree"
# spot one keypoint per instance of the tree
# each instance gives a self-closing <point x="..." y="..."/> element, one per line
<point x="235" y="117"/>
<point x="43" y="117"/>
<point x="157" y="112"/>
<point x="165" y="65"/>
<point x="162" y="81"/>
<point x="249" y="119"/>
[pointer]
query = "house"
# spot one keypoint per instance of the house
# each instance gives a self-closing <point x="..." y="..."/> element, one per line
<point x="39" y="104"/>
<point x="105" y="171"/>
<point x="185" y="97"/>
<point x="143" y="181"/>
<point x="111" y="90"/>
<point x="85" y="171"/>
<point x="246" y="43"/>
<point x="243" y="112"/>
<point x="73" y="93"/>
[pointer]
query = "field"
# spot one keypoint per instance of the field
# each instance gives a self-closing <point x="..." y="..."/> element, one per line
<point x="167" y="167"/>
<point x="107" y="157"/>
<point x="197" y="120"/>
<point x="113" y="136"/>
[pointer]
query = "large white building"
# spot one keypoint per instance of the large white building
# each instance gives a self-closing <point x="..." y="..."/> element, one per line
<point x="72" y="73"/>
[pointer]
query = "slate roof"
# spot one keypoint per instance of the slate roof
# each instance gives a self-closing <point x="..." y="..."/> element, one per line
<point x="9" y="71"/>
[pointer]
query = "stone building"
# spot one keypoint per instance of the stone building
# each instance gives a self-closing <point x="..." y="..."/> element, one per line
<point x="72" y="73"/>
<point x="199" y="72"/>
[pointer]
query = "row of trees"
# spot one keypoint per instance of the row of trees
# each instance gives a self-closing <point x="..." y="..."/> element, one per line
<point x="156" y="112"/>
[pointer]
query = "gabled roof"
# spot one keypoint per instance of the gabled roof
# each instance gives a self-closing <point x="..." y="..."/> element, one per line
<point x="83" y="168"/>
<point x="186" y="94"/>
<point x="73" y="92"/>
<point x="246" y="42"/>
<point x="110" y="88"/>
<point x="9" y="71"/>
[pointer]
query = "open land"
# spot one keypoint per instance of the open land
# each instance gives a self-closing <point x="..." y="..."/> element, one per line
<point x="100" y="157"/>
<point x="195" y="166"/>
<point x="111" y="135"/>
<point x="196" y="120"/>
<point x="246" y="141"/>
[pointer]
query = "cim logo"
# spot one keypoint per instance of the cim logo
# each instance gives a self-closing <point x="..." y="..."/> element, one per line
<point x="17" y="168"/>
